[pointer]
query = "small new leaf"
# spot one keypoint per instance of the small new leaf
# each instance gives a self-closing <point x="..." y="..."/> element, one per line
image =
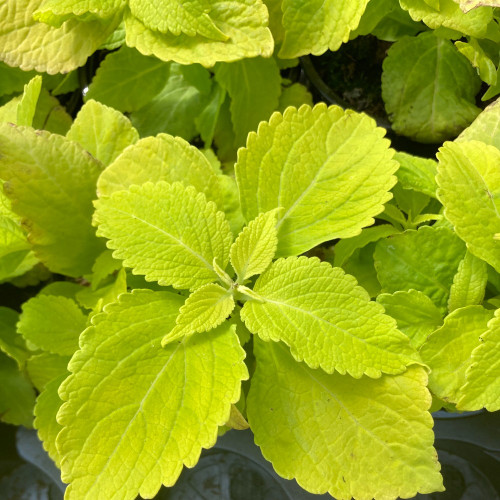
<point x="254" y="249"/>
<point x="206" y="308"/>
<point x="27" y="106"/>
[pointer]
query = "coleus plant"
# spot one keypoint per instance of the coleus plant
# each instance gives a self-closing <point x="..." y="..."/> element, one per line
<point x="335" y="385"/>
<point x="157" y="372"/>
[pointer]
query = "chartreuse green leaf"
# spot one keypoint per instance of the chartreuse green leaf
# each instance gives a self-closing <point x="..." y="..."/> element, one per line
<point x="314" y="26"/>
<point x="16" y="257"/>
<point x="243" y="22"/>
<point x="351" y="438"/>
<point x="326" y="320"/>
<point x="167" y="232"/>
<point x="17" y="396"/>
<point x="254" y="249"/>
<point x="345" y="248"/>
<point x="332" y="197"/>
<point x="11" y="343"/>
<point x="104" y="266"/>
<point x="362" y="266"/>
<point x="386" y="20"/>
<point x="176" y="16"/>
<point x="52" y="323"/>
<point x="417" y="173"/>
<point x="127" y="80"/>
<point x="50" y="115"/>
<point x="448" y="350"/>
<point x="485" y="128"/>
<point x="275" y="19"/>
<point x="425" y="260"/>
<point x="485" y="67"/>
<point x="102" y="131"/>
<point x="161" y="158"/>
<point x="13" y="80"/>
<point x="206" y="308"/>
<point x="254" y="86"/>
<point x="46" y="408"/>
<point x="232" y="207"/>
<point x="135" y="413"/>
<point x="469" y="283"/>
<point x="294" y="95"/>
<point x="447" y="13"/>
<point x="429" y="106"/>
<point x="66" y="289"/>
<point x="482" y="387"/>
<point x="100" y="297"/>
<point x="116" y="39"/>
<point x="415" y="314"/>
<point x="178" y="106"/>
<point x="8" y="112"/>
<point x="55" y="12"/>
<point x="45" y="367"/>
<point x="27" y="106"/>
<point x="469" y="188"/>
<point x="28" y="44"/>
<point x="52" y="189"/>
<point x="21" y="110"/>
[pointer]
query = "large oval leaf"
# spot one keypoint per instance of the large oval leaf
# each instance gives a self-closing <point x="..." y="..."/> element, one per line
<point x="135" y="413"/>
<point x="331" y="171"/>
<point x="167" y="232"/>
<point x="363" y="438"/>
<point x="326" y="319"/>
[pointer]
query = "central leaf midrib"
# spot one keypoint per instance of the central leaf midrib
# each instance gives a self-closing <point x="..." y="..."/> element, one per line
<point x="132" y="420"/>
<point x="312" y="315"/>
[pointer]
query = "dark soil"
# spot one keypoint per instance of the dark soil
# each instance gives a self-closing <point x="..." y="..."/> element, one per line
<point x="354" y="73"/>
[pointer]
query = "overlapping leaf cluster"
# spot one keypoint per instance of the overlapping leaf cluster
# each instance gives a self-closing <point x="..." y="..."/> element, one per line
<point x="185" y="276"/>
